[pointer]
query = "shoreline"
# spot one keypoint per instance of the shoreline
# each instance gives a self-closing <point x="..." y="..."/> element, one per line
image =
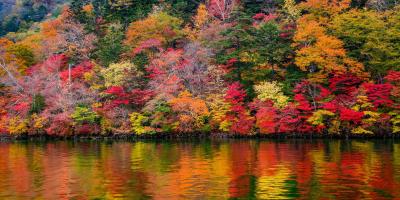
<point x="192" y="136"/>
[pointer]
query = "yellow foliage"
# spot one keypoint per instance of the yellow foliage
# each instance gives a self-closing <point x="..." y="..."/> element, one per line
<point x="318" y="50"/>
<point x="201" y="17"/>
<point x="117" y="73"/>
<point x="322" y="8"/>
<point x="291" y="8"/>
<point x="9" y="52"/>
<point x="370" y="117"/>
<point x="88" y="8"/>
<point x="218" y="110"/>
<point x="317" y="117"/>
<point x="334" y="127"/>
<point x="225" y="125"/>
<point x="137" y="121"/>
<point x="362" y="103"/>
<point x="105" y="125"/>
<point x="46" y="41"/>
<point x="38" y="121"/>
<point x="199" y="21"/>
<point x="326" y="53"/>
<point x="395" y="122"/>
<point x="361" y="130"/>
<point x="308" y="30"/>
<point x="16" y="126"/>
<point x="271" y="91"/>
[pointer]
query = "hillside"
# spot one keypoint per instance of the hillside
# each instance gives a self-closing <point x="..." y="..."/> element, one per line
<point x="235" y="67"/>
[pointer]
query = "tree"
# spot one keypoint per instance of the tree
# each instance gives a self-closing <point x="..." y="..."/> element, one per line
<point x="123" y="74"/>
<point x="191" y="113"/>
<point x="253" y="50"/>
<point x="158" y="25"/>
<point x="271" y="91"/>
<point x="321" y="54"/>
<point x="318" y="52"/>
<point x="221" y="9"/>
<point x="109" y="47"/>
<point x="266" y="117"/>
<point x="371" y="37"/>
<point x="238" y="119"/>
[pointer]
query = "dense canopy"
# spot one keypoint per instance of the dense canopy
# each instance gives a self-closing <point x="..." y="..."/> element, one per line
<point x="216" y="66"/>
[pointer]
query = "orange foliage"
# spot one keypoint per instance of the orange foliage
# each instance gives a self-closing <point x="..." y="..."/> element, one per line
<point x="190" y="111"/>
<point x="322" y="54"/>
<point x="159" y="26"/>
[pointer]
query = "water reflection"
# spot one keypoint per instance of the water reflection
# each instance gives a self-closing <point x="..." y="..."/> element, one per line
<point x="246" y="169"/>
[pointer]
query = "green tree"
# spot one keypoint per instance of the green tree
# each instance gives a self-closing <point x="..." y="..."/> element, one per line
<point x="253" y="52"/>
<point x="372" y="37"/>
<point x="110" y="46"/>
<point x="84" y="114"/>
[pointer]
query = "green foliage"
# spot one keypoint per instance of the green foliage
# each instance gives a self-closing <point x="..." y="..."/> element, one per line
<point x="110" y="47"/>
<point x="84" y="114"/>
<point x="123" y="11"/>
<point x="252" y="7"/>
<point x="259" y="50"/>
<point x="38" y="104"/>
<point x="137" y="122"/>
<point x="182" y="9"/>
<point x="23" y="53"/>
<point x="372" y="37"/>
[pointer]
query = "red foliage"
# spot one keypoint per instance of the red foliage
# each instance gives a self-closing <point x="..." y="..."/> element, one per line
<point x="86" y="129"/>
<point x="235" y="94"/>
<point x="52" y="64"/>
<point x="393" y="76"/>
<point x="350" y="115"/>
<point x="287" y="31"/>
<point x="60" y="125"/>
<point x="303" y="103"/>
<point x="311" y="91"/>
<point x="379" y="94"/>
<point x="229" y="65"/>
<point x="116" y="90"/>
<point x="259" y="16"/>
<point x="242" y="121"/>
<point x="136" y="97"/>
<point x="120" y="97"/>
<point x="21" y="107"/>
<point x="292" y="120"/>
<point x="221" y="9"/>
<point x="344" y="84"/>
<point x="140" y="97"/>
<point x="266" y="117"/>
<point x="150" y="43"/>
<point x="77" y="72"/>
<point x="331" y="106"/>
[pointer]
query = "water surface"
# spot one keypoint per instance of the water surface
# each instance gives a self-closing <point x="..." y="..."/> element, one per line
<point x="230" y="169"/>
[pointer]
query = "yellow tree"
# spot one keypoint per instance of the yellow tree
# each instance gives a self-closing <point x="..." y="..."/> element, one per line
<point x="16" y="56"/>
<point x="271" y="91"/>
<point x="318" y="52"/>
<point x="200" y="20"/>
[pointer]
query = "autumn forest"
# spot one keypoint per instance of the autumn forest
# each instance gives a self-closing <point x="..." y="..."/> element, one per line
<point x="232" y="67"/>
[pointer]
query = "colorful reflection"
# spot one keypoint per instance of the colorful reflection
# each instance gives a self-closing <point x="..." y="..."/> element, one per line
<point x="244" y="169"/>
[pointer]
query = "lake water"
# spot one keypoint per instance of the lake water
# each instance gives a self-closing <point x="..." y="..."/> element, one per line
<point x="236" y="169"/>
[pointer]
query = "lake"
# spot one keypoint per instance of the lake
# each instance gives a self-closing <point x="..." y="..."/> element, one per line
<point x="207" y="169"/>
